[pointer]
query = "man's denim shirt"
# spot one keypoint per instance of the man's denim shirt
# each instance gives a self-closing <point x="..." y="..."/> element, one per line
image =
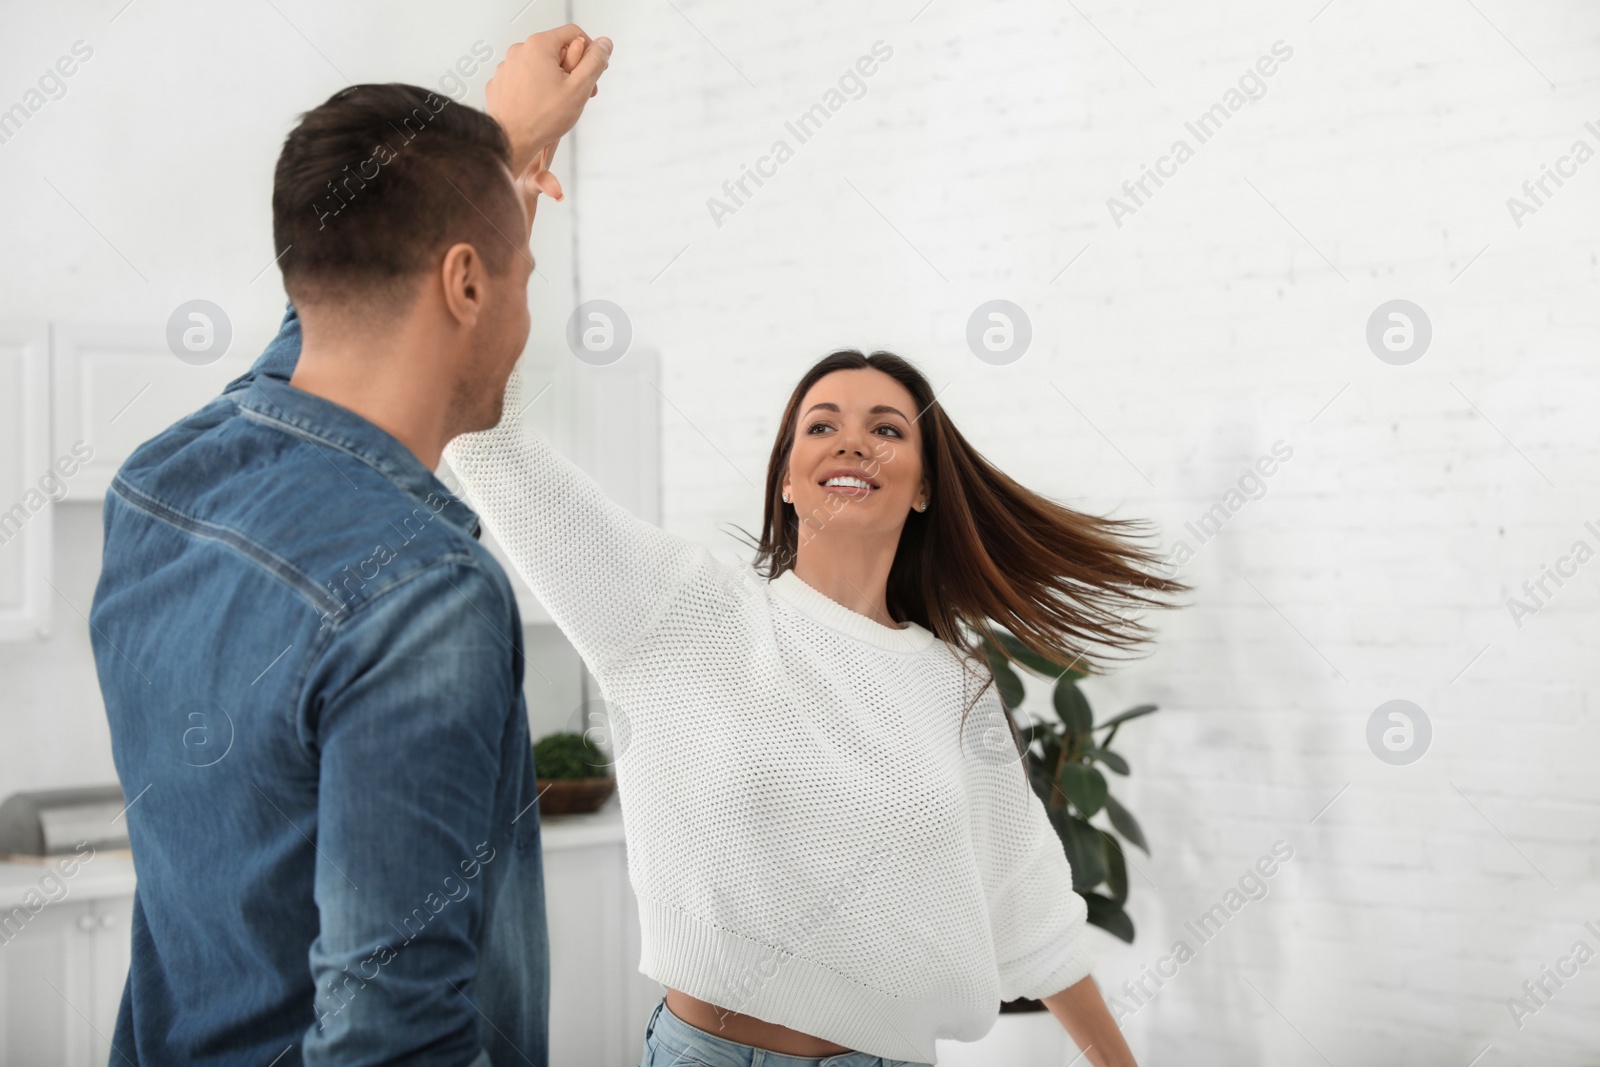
<point x="313" y="673"/>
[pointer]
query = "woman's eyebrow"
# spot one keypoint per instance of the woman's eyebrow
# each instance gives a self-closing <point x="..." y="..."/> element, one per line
<point x="876" y="409"/>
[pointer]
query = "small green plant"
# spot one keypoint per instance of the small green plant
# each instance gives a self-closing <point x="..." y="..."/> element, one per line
<point x="1064" y="760"/>
<point x="569" y="755"/>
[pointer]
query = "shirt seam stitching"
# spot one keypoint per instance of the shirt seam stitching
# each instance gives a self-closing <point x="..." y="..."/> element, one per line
<point x="258" y="555"/>
<point x="232" y="539"/>
<point x="311" y="437"/>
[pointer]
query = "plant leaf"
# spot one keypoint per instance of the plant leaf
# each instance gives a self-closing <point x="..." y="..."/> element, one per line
<point x="1125" y="823"/>
<point x="1131" y="713"/>
<point x="1116" y="869"/>
<point x="1043" y="787"/>
<point x="1109" y="916"/>
<point x="1073" y="707"/>
<point x="1109" y="758"/>
<point x="1050" y="751"/>
<point x="1085" y="787"/>
<point x="1085" y="850"/>
<point x="1032" y="660"/>
<point x="1005" y="679"/>
<point x="1037" y="730"/>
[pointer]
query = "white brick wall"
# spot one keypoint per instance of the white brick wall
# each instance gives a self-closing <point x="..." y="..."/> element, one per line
<point x="1192" y="338"/>
<point x="1202" y="330"/>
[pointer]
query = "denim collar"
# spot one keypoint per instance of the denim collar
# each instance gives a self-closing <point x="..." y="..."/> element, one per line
<point x="326" y="424"/>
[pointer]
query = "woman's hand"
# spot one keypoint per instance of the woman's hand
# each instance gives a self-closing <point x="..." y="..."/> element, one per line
<point x="539" y="90"/>
<point x="1082" y="1010"/>
<point x="538" y="176"/>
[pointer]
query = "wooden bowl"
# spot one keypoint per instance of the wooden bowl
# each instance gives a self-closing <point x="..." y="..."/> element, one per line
<point x="574" y="796"/>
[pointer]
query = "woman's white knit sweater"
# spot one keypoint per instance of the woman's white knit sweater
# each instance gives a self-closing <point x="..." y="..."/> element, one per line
<point x="813" y="837"/>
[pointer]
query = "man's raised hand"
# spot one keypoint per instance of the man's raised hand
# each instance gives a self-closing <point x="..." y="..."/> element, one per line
<point x="539" y="89"/>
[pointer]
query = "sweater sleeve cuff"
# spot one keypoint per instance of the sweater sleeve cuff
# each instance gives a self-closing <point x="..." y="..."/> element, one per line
<point x="1050" y="971"/>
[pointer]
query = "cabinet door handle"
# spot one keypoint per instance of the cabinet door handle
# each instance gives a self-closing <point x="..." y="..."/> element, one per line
<point x="86" y="922"/>
<point x="108" y="922"/>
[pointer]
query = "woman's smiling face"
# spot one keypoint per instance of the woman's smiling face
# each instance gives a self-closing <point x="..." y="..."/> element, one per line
<point x="856" y="462"/>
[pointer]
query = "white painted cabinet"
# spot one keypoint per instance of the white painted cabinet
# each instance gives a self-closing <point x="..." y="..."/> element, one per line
<point x="29" y="483"/>
<point x="62" y="967"/>
<point x="75" y="400"/>
<point x="61" y="982"/>
<point x="599" y="1002"/>
<point x="111" y="950"/>
<point x="118" y="386"/>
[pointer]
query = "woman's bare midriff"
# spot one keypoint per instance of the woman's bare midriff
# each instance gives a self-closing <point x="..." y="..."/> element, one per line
<point x="747" y="1029"/>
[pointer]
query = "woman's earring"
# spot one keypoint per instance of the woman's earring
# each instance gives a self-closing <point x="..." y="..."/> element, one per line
<point x="786" y="496"/>
<point x="922" y="506"/>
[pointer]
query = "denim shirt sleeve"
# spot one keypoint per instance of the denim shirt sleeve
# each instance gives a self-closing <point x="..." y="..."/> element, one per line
<point x="404" y="716"/>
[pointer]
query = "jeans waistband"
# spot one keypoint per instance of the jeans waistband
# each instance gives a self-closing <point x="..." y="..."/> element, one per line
<point x="675" y="1037"/>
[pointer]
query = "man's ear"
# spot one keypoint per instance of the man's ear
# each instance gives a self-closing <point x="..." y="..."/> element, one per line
<point x="464" y="277"/>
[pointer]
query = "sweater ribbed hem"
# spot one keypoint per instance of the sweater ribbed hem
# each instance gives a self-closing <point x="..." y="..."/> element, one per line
<point x="793" y="590"/>
<point x="734" y="972"/>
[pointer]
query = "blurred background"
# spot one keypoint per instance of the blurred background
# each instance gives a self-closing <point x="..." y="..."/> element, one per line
<point x="1311" y="286"/>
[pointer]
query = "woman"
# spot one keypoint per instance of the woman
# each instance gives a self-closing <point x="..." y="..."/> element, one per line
<point x="835" y="850"/>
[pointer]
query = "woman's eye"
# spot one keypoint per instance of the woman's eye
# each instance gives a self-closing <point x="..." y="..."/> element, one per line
<point x="815" y="426"/>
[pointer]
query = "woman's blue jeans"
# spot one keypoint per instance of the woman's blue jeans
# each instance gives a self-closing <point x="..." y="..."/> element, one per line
<point x="671" y="1042"/>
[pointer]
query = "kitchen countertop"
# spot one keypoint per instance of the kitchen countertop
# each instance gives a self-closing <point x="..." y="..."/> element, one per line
<point x="109" y="873"/>
<point x="578" y="831"/>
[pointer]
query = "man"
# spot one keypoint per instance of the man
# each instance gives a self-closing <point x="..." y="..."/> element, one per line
<point x="312" y="670"/>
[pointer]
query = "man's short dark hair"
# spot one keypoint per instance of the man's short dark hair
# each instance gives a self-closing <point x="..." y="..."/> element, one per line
<point x="373" y="185"/>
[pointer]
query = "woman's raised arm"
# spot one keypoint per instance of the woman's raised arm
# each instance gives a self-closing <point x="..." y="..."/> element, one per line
<point x="604" y="574"/>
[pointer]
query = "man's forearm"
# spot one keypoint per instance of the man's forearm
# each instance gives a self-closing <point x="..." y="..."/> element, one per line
<point x="1082" y="1010"/>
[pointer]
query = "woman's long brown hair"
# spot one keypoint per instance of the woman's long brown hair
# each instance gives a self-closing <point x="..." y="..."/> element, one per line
<point x="987" y="550"/>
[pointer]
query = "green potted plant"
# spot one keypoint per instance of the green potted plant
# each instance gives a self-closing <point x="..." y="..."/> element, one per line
<point x="1067" y="754"/>
<point x="573" y="774"/>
